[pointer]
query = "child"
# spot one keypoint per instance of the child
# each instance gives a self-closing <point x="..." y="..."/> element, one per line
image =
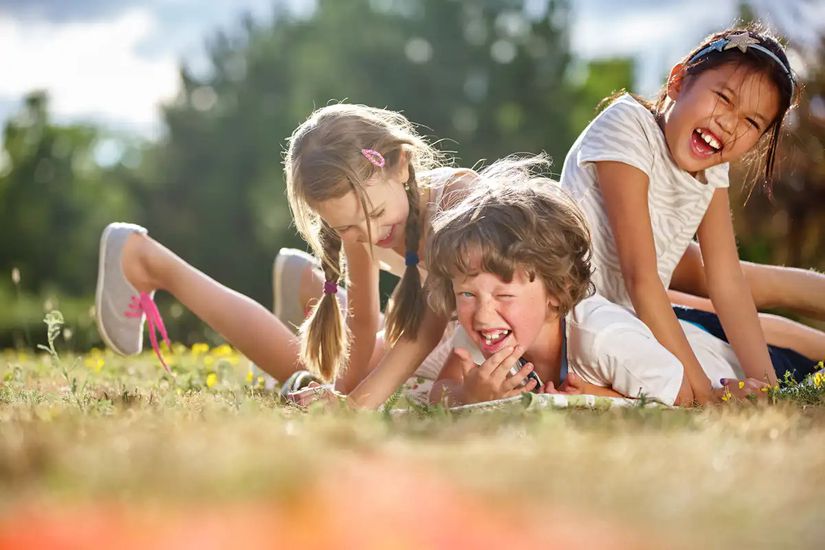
<point x="513" y="261"/>
<point x="363" y="188"/>
<point x="651" y="176"/>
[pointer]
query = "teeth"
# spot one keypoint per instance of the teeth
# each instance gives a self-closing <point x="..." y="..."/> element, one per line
<point x="491" y="337"/>
<point x="710" y="140"/>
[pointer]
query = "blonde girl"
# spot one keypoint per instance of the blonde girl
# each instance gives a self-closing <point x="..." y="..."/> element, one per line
<point x="363" y="187"/>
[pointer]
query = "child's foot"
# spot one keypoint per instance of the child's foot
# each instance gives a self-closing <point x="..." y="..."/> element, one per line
<point x="290" y="269"/>
<point x="121" y="309"/>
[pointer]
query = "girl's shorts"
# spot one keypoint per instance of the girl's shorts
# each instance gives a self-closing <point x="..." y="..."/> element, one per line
<point x="783" y="359"/>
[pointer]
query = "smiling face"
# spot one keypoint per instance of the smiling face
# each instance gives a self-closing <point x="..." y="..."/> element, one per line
<point x="717" y="115"/>
<point x="387" y="205"/>
<point x="496" y="314"/>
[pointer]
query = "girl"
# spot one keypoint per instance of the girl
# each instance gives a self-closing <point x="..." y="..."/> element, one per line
<point x="362" y="188"/>
<point x="651" y="175"/>
<point x="513" y="261"/>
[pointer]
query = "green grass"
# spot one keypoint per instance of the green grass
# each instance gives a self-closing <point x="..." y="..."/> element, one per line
<point x="97" y="428"/>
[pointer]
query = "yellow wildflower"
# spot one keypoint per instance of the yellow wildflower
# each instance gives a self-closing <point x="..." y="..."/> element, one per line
<point x="211" y="379"/>
<point x="94" y="363"/>
<point x="224" y="350"/>
<point x="260" y="381"/>
<point x="741" y="384"/>
<point x="199" y="348"/>
<point x="820" y="365"/>
<point x="818" y="379"/>
<point x="249" y="376"/>
<point x="726" y="394"/>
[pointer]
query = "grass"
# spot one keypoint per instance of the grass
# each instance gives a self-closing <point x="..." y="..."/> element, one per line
<point x="114" y="450"/>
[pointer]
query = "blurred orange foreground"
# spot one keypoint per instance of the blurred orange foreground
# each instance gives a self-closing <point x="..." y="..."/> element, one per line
<point x="371" y="504"/>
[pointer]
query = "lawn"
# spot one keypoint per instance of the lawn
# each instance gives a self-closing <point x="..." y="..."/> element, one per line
<point x="98" y="450"/>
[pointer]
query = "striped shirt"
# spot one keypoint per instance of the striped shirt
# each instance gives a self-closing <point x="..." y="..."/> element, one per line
<point x="627" y="132"/>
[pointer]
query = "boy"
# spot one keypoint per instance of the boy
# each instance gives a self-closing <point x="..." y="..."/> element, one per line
<point x="512" y="261"/>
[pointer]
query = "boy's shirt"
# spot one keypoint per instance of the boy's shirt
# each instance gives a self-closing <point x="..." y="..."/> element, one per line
<point x="610" y="347"/>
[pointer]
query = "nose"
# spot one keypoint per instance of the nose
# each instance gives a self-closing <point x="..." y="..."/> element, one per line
<point x="727" y="120"/>
<point x="485" y="311"/>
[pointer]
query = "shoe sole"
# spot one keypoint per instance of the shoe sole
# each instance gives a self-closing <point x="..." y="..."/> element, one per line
<point x="277" y="275"/>
<point x="101" y="262"/>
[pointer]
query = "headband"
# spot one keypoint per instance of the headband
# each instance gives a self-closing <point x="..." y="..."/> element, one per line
<point x="743" y="41"/>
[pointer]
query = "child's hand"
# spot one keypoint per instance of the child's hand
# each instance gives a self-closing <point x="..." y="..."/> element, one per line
<point x="491" y="379"/>
<point x="572" y="385"/>
<point x="742" y="389"/>
<point x="312" y="393"/>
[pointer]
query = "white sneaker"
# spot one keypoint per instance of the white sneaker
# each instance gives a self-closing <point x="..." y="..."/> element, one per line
<point x="120" y="310"/>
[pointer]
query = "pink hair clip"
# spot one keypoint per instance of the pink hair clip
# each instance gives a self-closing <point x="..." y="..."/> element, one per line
<point x="374" y="157"/>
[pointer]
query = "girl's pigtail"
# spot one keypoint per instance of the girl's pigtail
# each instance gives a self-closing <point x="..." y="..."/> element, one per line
<point x="325" y="336"/>
<point x="406" y="308"/>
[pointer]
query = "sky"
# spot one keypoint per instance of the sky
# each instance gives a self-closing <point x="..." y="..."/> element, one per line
<point x="112" y="62"/>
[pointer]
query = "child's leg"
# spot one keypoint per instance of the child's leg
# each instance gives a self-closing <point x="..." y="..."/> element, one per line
<point x="247" y="325"/>
<point x="801" y="290"/>
<point x="779" y="331"/>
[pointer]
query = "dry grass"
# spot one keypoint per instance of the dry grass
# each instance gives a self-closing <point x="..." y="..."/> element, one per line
<point x="174" y="457"/>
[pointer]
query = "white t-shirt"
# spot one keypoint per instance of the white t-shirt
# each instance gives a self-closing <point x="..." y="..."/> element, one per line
<point x="610" y="347"/>
<point x="627" y="132"/>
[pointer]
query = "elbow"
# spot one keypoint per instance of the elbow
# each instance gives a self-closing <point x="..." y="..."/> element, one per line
<point x="640" y="283"/>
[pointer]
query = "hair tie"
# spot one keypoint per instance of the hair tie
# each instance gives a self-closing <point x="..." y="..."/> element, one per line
<point x="374" y="157"/>
<point x="411" y="258"/>
<point x="330" y="287"/>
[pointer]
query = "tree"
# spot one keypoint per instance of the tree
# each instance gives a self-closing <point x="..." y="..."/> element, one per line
<point x="486" y="75"/>
<point x="54" y="199"/>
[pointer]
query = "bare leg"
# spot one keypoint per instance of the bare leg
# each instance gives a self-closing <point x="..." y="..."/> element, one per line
<point x="778" y="331"/>
<point x="801" y="290"/>
<point x="246" y="324"/>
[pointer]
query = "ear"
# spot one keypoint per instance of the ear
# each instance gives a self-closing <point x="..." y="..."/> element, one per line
<point x="553" y="302"/>
<point x="675" y="80"/>
<point x="403" y="168"/>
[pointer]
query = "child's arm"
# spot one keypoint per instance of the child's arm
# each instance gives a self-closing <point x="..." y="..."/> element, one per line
<point x="576" y="385"/>
<point x="729" y="292"/>
<point x="363" y="317"/>
<point x="447" y="387"/>
<point x="624" y="190"/>
<point x="399" y="363"/>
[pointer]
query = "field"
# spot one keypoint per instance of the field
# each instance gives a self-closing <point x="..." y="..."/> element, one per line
<point x="98" y="450"/>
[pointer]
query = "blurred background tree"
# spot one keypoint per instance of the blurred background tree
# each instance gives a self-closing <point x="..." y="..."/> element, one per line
<point x="487" y="78"/>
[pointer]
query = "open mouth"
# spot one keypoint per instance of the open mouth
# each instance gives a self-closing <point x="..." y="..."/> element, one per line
<point x="386" y="240"/>
<point x="705" y="143"/>
<point x="493" y="340"/>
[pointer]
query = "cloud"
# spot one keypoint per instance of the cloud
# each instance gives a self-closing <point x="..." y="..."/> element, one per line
<point x="656" y="34"/>
<point x="92" y="69"/>
<point x="63" y="10"/>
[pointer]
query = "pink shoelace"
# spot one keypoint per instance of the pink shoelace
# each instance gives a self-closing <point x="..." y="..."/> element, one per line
<point x="144" y="305"/>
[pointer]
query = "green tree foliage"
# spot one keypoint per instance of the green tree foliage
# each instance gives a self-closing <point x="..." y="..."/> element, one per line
<point x="486" y="76"/>
<point x="54" y="199"/>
